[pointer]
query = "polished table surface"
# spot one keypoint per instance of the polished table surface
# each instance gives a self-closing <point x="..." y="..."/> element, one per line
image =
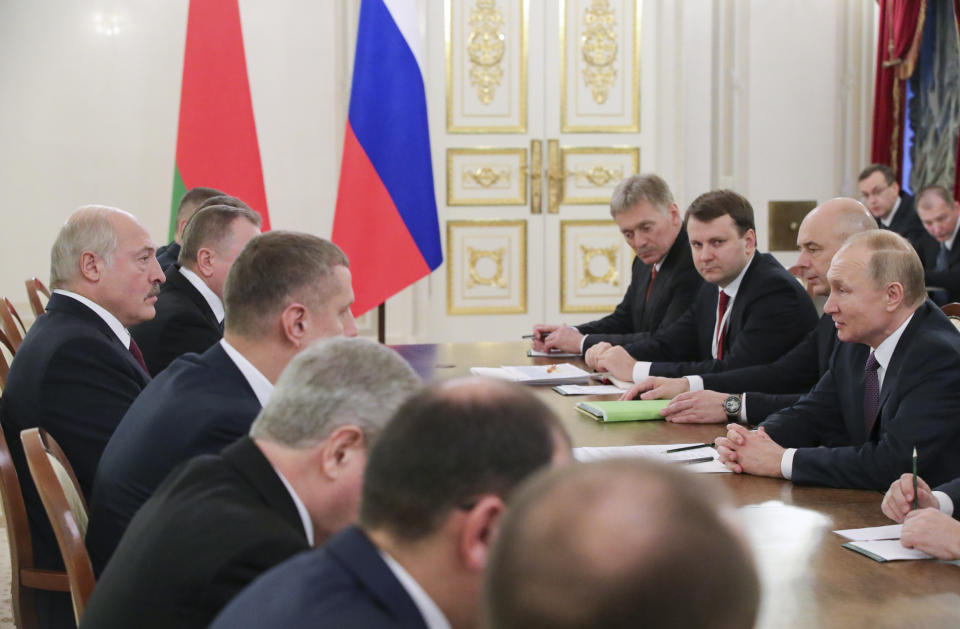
<point x="809" y="579"/>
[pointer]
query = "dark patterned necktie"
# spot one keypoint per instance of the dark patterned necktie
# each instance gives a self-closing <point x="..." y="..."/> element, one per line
<point x="942" y="257"/>
<point x="721" y="329"/>
<point x="138" y="355"/>
<point x="871" y="393"/>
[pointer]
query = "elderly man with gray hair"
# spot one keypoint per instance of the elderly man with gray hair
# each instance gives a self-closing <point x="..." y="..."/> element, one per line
<point x="219" y="521"/>
<point x="664" y="280"/>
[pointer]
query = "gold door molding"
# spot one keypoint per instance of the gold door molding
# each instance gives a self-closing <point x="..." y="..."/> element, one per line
<point x="595" y="266"/>
<point x="590" y="173"/>
<point x="486" y="267"/>
<point x="486" y="62"/>
<point x="600" y="66"/>
<point x="486" y="176"/>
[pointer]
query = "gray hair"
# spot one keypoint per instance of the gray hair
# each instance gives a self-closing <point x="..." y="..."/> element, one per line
<point x="636" y="188"/>
<point x="88" y="229"/>
<point x="892" y="259"/>
<point x="334" y="383"/>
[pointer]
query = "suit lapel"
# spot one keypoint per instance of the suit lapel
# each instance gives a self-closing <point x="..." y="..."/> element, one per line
<point x="178" y="282"/>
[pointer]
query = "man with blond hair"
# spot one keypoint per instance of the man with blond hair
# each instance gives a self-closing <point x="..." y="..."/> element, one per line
<point x="893" y="383"/>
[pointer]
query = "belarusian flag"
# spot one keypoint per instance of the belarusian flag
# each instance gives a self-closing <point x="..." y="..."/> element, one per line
<point x="217" y="137"/>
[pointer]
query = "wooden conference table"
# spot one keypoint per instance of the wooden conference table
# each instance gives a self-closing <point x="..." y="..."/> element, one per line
<point x="809" y="580"/>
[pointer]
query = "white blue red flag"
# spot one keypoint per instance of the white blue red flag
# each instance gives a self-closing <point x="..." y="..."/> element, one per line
<point x="386" y="215"/>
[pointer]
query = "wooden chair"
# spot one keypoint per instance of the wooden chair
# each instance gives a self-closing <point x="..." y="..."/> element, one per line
<point x="34" y="288"/>
<point x="952" y="311"/>
<point x="7" y="352"/>
<point x="66" y="509"/>
<point x="10" y="323"/>
<point x="24" y="577"/>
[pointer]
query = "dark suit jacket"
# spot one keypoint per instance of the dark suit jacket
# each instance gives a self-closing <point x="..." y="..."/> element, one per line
<point x="345" y="583"/>
<point x="184" y="323"/>
<point x="779" y="384"/>
<point x="198" y="405"/>
<point x="949" y="280"/>
<point x="670" y="296"/>
<point x="952" y="489"/>
<point x="214" y="525"/>
<point x="907" y="223"/>
<point x="771" y="314"/>
<point x="73" y="377"/>
<point x="168" y="254"/>
<point x="919" y="406"/>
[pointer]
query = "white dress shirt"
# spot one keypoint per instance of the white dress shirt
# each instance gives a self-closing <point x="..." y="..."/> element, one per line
<point x="262" y="387"/>
<point x="216" y="305"/>
<point x="108" y="318"/>
<point x="432" y="615"/>
<point x="896" y="206"/>
<point x="301" y="508"/>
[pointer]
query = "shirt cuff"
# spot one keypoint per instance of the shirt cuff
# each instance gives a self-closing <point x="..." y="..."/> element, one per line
<point x="786" y="463"/>
<point x="582" y="341"/>
<point x="641" y="370"/>
<point x="743" y="407"/>
<point x="946" y="504"/>
<point x="695" y="383"/>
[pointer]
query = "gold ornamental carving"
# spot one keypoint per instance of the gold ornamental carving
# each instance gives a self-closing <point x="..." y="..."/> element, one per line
<point x="599" y="49"/>
<point x="496" y="256"/>
<point x="486" y="45"/>
<point x="600" y="176"/>
<point x="485" y="176"/>
<point x="607" y="253"/>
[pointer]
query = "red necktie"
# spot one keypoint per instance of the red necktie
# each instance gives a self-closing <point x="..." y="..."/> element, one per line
<point x="138" y="355"/>
<point x="721" y="329"/>
<point x="653" y="276"/>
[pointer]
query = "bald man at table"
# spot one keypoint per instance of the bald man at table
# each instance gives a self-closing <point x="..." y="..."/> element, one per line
<point x="893" y="383"/>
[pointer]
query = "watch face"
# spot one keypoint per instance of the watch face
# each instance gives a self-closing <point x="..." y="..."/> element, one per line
<point x="732" y="405"/>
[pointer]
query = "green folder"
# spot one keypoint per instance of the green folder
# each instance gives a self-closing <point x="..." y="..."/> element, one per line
<point x="630" y="411"/>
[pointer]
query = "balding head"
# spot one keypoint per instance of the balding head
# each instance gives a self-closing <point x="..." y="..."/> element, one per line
<point x="822" y="233"/>
<point x="617" y="544"/>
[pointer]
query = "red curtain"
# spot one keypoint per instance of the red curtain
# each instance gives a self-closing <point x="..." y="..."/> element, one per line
<point x="901" y="28"/>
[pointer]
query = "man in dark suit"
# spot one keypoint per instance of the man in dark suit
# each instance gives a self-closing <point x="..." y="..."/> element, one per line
<point x="284" y="291"/>
<point x="634" y="533"/>
<point x="933" y="527"/>
<point x="893" y="383"/>
<point x="220" y="520"/>
<point x="190" y="202"/>
<point x="77" y="371"/>
<point x="892" y="207"/>
<point x="436" y="485"/>
<point x="940" y="215"/>
<point x="776" y="385"/>
<point x="649" y="219"/>
<point x="190" y="307"/>
<point x="749" y="311"/>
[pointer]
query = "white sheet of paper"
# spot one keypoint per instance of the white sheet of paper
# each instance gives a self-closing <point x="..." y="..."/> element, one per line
<point x="891" y="531"/>
<point x="890" y="549"/>
<point x="658" y="452"/>
<point x="591" y="389"/>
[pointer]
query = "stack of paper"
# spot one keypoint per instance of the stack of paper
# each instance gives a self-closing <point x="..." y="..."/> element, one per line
<point x="533" y="353"/>
<point x="880" y="543"/>
<point x="659" y="452"/>
<point x="562" y="373"/>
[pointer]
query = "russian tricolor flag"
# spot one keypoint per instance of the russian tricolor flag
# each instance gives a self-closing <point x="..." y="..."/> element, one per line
<point x="386" y="215"/>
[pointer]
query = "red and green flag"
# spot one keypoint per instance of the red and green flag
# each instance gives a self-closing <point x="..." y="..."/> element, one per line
<point x="217" y="136"/>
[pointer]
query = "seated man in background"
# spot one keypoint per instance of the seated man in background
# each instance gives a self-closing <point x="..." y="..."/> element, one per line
<point x="190" y="202"/>
<point x="893" y="383"/>
<point x="933" y="527"/>
<point x="940" y="215"/>
<point x="78" y="371"/>
<point x="890" y="206"/>
<point x="435" y="489"/>
<point x="220" y="520"/>
<point x="649" y="219"/>
<point x="190" y="307"/>
<point x="749" y="311"/>
<point x="616" y="544"/>
<point x="284" y="291"/>
<point x="779" y="384"/>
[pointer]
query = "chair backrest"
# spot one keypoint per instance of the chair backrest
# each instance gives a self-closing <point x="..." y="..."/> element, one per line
<point x="9" y="320"/>
<point x="24" y="577"/>
<point x="951" y="309"/>
<point x="7" y="352"/>
<point x="66" y="509"/>
<point x="34" y="289"/>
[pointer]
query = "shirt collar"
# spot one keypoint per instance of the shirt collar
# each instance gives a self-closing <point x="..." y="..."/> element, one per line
<point x="216" y="305"/>
<point x="884" y="351"/>
<point x="953" y="236"/>
<point x="262" y="387"/>
<point x="112" y="322"/>
<point x="732" y="288"/>
<point x="433" y="617"/>
<point x="896" y="206"/>
<point x="301" y="508"/>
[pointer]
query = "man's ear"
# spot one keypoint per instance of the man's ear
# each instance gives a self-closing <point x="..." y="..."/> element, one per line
<point x="339" y="449"/>
<point x="204" y="264"/>
<point x="894" y="295"/>
<point x="479" y="530"/>
<point x="91" y="266"/>
<point x="294" y="320"/>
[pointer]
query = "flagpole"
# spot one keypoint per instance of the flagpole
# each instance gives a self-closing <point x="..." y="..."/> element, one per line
<point x="382" y="322"/>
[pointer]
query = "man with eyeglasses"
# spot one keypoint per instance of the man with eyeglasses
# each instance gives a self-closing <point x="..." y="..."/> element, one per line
<point x="892" y="207"/>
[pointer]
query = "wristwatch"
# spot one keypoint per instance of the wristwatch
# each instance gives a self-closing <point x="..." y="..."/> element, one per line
<point x="731" y="406"/>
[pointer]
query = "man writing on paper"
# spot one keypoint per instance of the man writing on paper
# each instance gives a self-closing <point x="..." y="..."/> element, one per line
<point x="776" y="385"/>
<point x="893" y="383"/>
<point x="933" y="527"/>
<point x="664" y="279"/>
<point x="749" y="311"/>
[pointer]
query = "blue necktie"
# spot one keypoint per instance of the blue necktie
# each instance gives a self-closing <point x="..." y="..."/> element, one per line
<point x="942" y="257"/>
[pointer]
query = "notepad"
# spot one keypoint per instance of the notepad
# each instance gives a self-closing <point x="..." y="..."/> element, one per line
<point x="587" y="389"/>
<point x="658" y="452"/>
<point x="880" y="543"/>
<point x="633" y="410"/>
<point x="561" y="373"/>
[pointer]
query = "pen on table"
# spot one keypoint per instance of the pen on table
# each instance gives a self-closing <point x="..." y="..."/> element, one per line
<point x="531" y="336"/>
<point x="704" y="459"/>
<point x="696" y="446"/>
<point x="916" y="498"/>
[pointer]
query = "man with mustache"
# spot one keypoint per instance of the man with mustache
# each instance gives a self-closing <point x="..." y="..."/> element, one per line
<point x="664" y="279"/>
<point x="78" y="371"/>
